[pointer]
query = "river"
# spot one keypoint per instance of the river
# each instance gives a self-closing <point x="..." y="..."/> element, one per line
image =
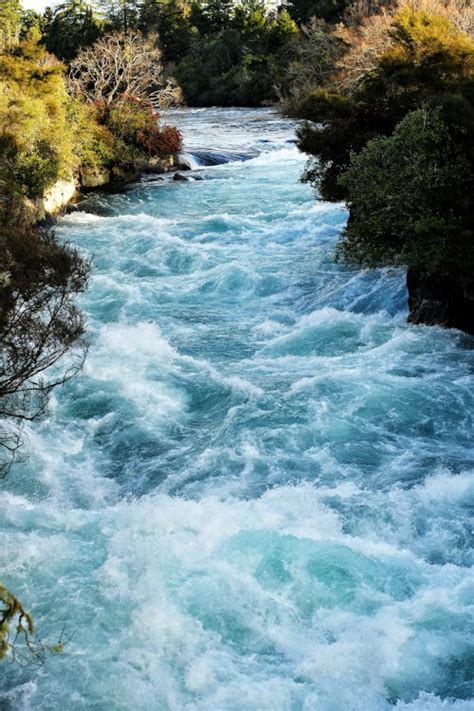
<point x="258" y="494"/>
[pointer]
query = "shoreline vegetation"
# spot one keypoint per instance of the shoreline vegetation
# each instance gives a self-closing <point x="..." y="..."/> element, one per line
<point x="390" y="128"/>
<point x="385" y="93"/>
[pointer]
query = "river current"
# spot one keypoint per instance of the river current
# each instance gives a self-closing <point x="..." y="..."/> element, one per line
<point x="258" y="494"/>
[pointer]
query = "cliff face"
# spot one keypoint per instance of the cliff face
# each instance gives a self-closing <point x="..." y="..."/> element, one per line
<point x="58" y="196"/>
<point x="441" y="299"/>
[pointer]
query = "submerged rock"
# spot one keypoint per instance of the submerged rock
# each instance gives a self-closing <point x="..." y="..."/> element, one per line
<point x="180" y="176"/>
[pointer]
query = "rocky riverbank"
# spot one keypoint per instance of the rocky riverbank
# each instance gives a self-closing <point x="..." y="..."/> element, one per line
<point x="441" y="300"/>
<point x="65" y="191"/>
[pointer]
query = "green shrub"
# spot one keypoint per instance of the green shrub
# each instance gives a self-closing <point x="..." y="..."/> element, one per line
<point x="135" y="126"/>
<point x="426" y="59"/>
<point x="409" y="198"/>
<point x="94" y="144"/>
<point x="392" y="133"/>
<point x="35" y="135"/>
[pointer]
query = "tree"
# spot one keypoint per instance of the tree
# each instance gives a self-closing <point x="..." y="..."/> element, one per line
<point x="122" y="15"/>
<point x="283" y="29"/>
<point x="391" y="131"/>
<point x="170" y="20"/>
<point x="411" y="204"/>
<point x="32" y="22"/>
<point x="252" y="20"/>
<point x="311" y="61"/>
<point x="10" y="23"/>
<point x="35" y="137"/>
<point x="73" y="25"/>
<point x="419" y="60"/>
<point x="211" y="16"/>
<point x="330" y="10"/>
<point x="39" y="325"/>
<point x="409" y="195"/>
<point x="121" y="64"/>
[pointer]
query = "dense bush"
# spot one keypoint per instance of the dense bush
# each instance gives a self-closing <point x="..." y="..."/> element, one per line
<point x="71" y="26"/>
<point x="311" y="60"/>
<point x="426" y="60"/>
<point x="46" y="134"/>
<point x="391" y="130"/>
<point x="162" y="141"/>
<point x="135" y="125"/>
<point x="94" y="144"/>
<point x="10" y="23"/>
<point x="330" y="10"/>
<point x="35" y="135"/>
<point x="410" y="196"/>
<point x="221" y="51"/>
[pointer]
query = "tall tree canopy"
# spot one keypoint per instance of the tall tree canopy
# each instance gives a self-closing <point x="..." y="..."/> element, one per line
<point x="71" y="26"/>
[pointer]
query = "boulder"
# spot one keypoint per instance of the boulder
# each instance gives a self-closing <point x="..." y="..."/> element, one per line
<point x="58" y="196"/>
<point x="124" y="173"/>
<point x="180" y="176"/>
<point x="94" y="177"/>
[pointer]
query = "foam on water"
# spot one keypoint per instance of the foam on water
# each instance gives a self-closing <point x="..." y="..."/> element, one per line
<point x="258" y="494"/>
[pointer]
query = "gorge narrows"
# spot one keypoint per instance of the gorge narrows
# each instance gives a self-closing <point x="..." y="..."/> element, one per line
<point x="258" y="493"/>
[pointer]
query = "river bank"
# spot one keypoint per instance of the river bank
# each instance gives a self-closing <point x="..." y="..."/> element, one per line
<point x="256" y="495"/>
<point x="66" y="192"/>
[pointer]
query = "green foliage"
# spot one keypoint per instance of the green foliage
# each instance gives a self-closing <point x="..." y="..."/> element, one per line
<point x="242" y="63"/>
<point x="428" y="60"/>
<point x="134" y="125"/>
<point x="212" y="16"/>
<point x="121" y="15"/>
<point x="94" y="144"/>
<point x="32" y="24"/>
<point x="410" y="197"/>
<point x="10" y="23"/>
<point x="72" y="25"/>
<point x="398" y="145"/>
<point x="40" y="324"/>
<point x="330" y="10"/>
<point x="45" y="134"/>
<point x="34" y="134"/>
<point x="171" y="21"/>
<point x="281" y="31"/>
<point x="311" y="60"/>
<point x="194" y="37"/>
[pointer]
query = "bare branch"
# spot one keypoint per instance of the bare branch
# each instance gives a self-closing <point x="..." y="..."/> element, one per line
<point x="121" y="64"/>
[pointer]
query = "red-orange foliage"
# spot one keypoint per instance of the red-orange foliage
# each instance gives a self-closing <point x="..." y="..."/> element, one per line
<point x="135" y="122"/>
<point x="160" y="141"/>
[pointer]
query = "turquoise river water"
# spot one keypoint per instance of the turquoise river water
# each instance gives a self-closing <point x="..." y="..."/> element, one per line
<point x="258" y="494"/>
